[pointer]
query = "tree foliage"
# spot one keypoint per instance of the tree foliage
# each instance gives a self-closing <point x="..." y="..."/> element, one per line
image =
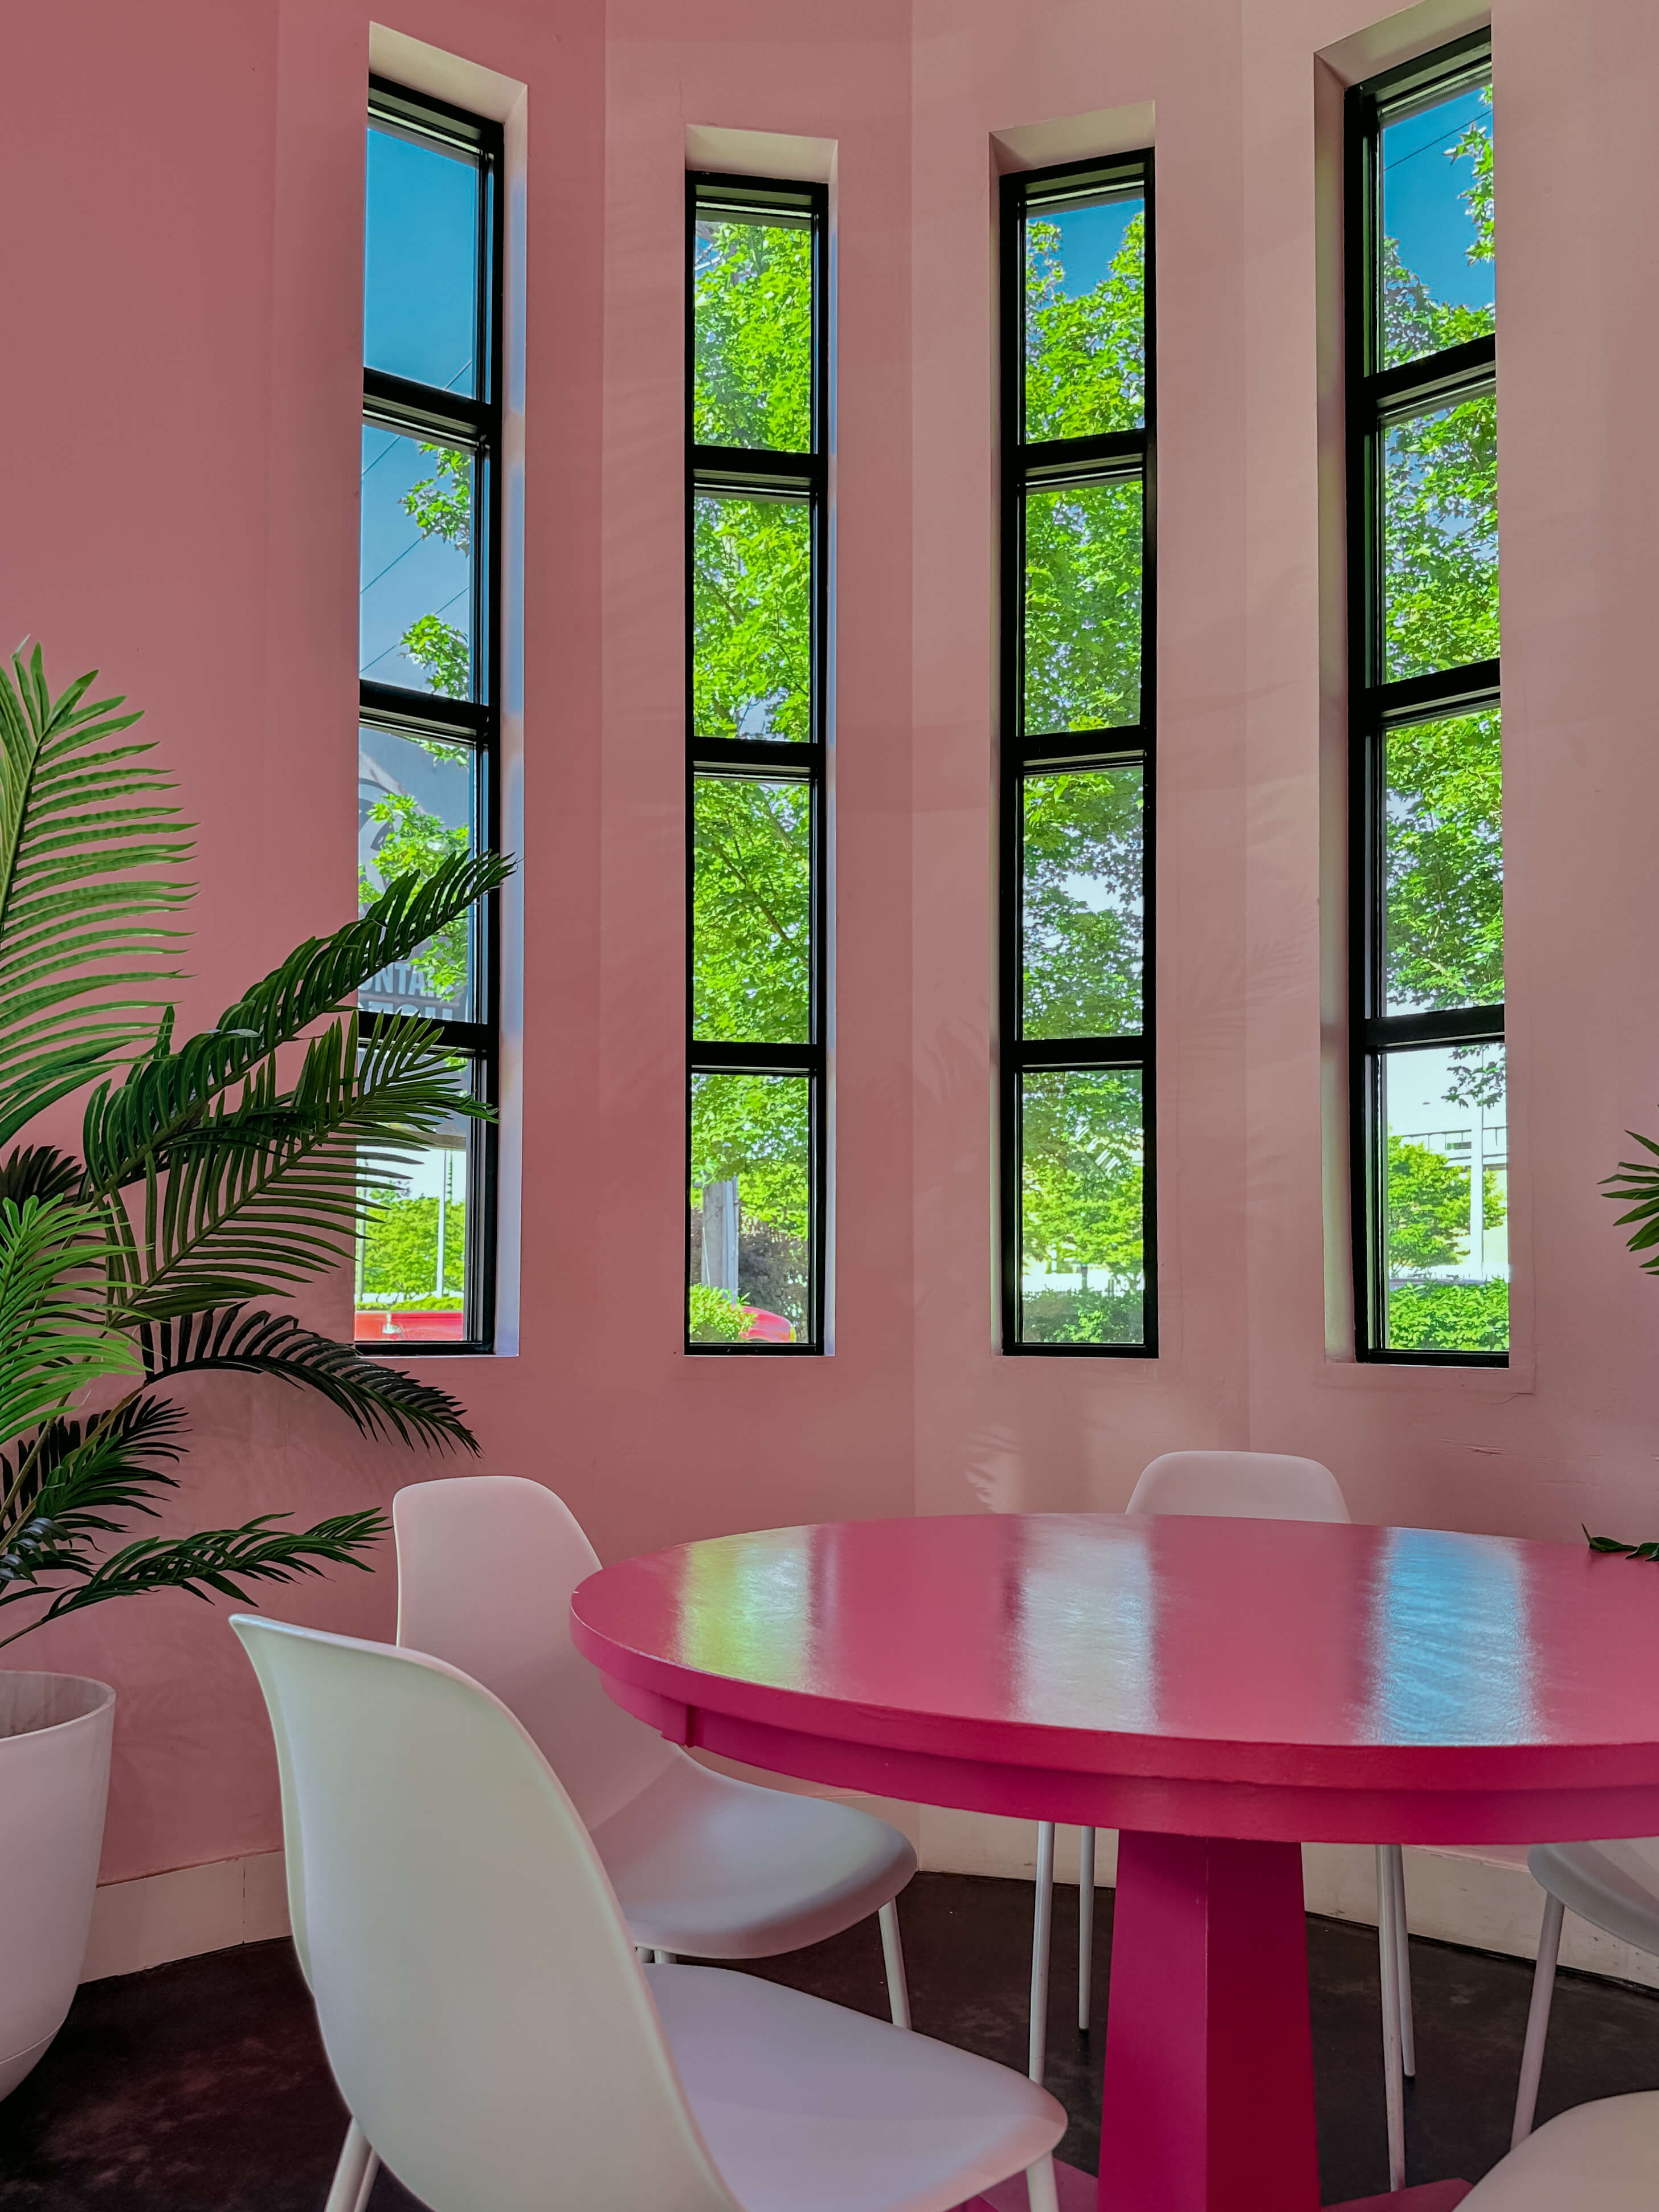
<point x="1428" y="1206"/>
<point x="753" y="677"/>
<point x="400" y="1254"/>
<point x="440" y="506"/>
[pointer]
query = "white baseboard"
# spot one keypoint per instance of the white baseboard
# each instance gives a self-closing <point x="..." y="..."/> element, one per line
<point x="185" y="1911"/>
<point x="1485" y="1898"/>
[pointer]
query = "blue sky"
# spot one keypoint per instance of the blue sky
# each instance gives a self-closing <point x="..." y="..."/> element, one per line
<point x="1422" y="208"/>
<point x="420" y="277"/>
<point x="1088" y="237"/>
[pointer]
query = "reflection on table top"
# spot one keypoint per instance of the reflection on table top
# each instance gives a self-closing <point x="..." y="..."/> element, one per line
<point x="1267" y="1650"/>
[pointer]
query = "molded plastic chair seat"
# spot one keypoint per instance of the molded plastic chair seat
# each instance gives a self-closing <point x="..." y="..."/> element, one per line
<point x="702" y="1863"/>
<point x="707" y="1865"/>
<point x="1240" y="1485"/>
<point x="1602" y="2157"/>
<point x="1613" y="1885"/>
<point x="807" y="2107"/>
<point x="486" y="2018"/>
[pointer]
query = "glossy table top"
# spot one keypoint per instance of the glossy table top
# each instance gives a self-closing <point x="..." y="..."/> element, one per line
<point x="1265" y="1678"/>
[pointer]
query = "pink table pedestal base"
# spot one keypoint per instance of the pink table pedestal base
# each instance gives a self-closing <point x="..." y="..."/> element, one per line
<point x="1208" y="2099"/>
<point x="1077" y="2194"/>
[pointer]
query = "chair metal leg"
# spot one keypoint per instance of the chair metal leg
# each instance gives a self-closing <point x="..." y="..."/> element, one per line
<point x="1538" y="2019"/>
<point x="662" y="1958"/>
<point x="1041" y="2186"/>
<point x="1042" y="1921"/>
<point x="1085" y="1926"/>
<point x="1393" y="2081"/>
<point x="1402" y="1940"/>
<point x="354" y="2173"/>
<point x="892" y="1954"/>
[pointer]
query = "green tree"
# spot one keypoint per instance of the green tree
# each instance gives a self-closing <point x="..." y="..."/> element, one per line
<point x="752" y="678"/>
<point x="399" y="1264"/>
<point x="414" y="840"/>
<point x="1428" y="1204"/>
<point x="752" y="367"/>
<point x="1084" y="375"/>
<point x="751" y="911"/>
<point x="440" y="506"/>
<point x="1081" y="915"/>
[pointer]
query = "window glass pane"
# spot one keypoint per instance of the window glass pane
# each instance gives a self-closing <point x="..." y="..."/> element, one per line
<point x="1447" y="1261"/>
<point x="1443" y="864"/>
<point x="1082" y="1279"/>
<point x="421" y="262"/>
<point x="414" y="590"/>
<point x="412" y="1253"/>
<point x="1083" y="909"/>
<point x="753" y="617"/>
<point x="1440" y="538"/>
<point x="750" y="1279"/>
<point x="1085" y="318"/>
<point x="752" y="914"/>
<point x="753" y="326"/>
<point x="1436" y="174"/>
<point x="1082" y="613"/>
<point x="416" y="807"/>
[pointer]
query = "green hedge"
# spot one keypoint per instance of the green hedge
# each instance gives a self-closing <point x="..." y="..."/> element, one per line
<point x="1449" y="1316"/>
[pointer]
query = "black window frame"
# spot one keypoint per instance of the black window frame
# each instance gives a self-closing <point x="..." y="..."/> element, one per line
<point x="803" y="477"/>
<point x="1117" y="455"/>
<point x="395" y="403"/>
<point x="1376" y="398"/>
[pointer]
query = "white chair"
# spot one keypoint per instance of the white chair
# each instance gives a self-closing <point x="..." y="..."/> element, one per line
<point x="1615" y="1887"/>
<point x="485" y="2016"/>
<point x="1602" y="2157"/>
<point x="704" y="1865"/>
<point x="1241" y="1485"/>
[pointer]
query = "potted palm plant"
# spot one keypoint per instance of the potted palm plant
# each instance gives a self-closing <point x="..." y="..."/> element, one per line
<point x="212" y="1176"/>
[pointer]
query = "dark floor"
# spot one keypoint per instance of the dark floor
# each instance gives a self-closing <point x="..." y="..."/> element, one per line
<point x="202" y="2085"/>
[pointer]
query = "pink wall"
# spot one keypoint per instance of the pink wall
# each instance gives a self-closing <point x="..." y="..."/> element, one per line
<point x="181" y="192"/>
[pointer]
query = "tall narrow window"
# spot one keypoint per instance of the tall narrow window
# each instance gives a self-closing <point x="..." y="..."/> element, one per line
<point x="428" y="632"/>
<point x="1079" y="1265"/>
<point x="755" y="716"/>
<point x="1431" y="1260"/>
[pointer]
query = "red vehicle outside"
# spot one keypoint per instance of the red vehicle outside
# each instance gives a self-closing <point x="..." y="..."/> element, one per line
<point x="407" y="1325"/>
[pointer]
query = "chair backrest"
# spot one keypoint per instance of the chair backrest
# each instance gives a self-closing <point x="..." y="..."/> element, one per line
<point x="1243" y="1486"/>
<point x="486" y="1565"/>
<point x="480" y="2002"/>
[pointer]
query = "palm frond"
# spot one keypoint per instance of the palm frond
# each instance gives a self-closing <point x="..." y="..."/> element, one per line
<point x="54" y="1338"/>
<point x="83" y="915"/>
<point x="129" y="1128"/>
<point x="380" y="1400"/>
<point x="268" y="1191"/>
<point x="216" y="1559"/>
<point x="38" y="1172"/>
<point x="1639" y="1180"/>
<point x="59" y="1488"/>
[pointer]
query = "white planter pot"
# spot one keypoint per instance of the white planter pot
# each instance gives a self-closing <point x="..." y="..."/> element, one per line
<point x="54" y="1781"/>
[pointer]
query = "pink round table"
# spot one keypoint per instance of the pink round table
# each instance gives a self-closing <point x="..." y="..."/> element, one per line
<point x="1219" y="1691"/>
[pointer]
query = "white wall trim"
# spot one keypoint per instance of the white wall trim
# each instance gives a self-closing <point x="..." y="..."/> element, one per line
<point x="185" y="1911"/>
<point x="1487" y="1899"/>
